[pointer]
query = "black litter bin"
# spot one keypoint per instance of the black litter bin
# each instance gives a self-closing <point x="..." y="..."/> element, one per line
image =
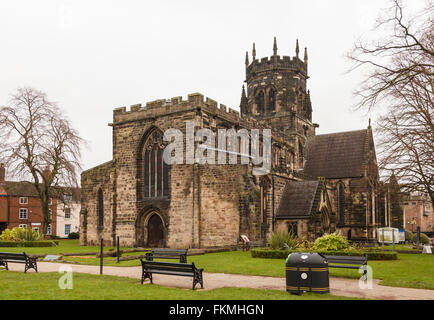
<point x="307" y="272"/>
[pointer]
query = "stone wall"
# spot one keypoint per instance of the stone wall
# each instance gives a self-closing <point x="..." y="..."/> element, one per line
<point x="102" y="177"/>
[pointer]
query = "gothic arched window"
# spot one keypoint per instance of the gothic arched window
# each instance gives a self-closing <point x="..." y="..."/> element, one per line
<point x="271" y="100"/>
<point x="341" y="203"/>
<point x="100" y="209"/>
<point x="155" y="170"/>
<point x="260" y="102"/>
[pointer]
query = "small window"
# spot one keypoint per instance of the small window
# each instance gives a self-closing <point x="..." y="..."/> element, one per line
<point x="67" y="229"/>
<point x="23" y="226"/>
<point x="405" y="203"/>
<point x="23" y="213"/>
<point x="50" y="213"/>
<point x="50" y="202"/>
<point x="49" y="229"/>
<point x="67" y="198"/>
<point x="36" y="229"/>
<point x="414" y="203"/>
<point x="67" y="213"/>
<point x="24" y="200"/>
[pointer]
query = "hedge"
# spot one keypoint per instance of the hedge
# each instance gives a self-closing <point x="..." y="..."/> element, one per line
<point x="28" y="243"/>
<point x="283" y="254"/>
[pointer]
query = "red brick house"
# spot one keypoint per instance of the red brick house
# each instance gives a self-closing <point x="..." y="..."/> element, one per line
<point x="20" y="206"/>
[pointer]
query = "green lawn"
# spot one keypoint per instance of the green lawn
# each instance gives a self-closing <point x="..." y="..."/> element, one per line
<point x="410" y="270"/>
<point x="65" y="246"/>
<point x="44" y="286"/>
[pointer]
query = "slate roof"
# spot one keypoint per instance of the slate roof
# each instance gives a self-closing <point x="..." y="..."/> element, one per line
<point x="27" y="189"/>
<point x="337" y="155"/>
<point x="299" y="199"/>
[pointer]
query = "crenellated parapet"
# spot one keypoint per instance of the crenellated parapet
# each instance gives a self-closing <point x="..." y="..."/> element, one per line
<point x="275" y="63"/>
<point x="163" y="107"/>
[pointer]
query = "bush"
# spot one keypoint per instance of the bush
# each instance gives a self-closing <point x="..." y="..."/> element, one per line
<point x="283" y="240"/>
<point x="408" y="235"/>
<point x="74" y="235"/>
<point x="424" y="239"/>
<point x="283" y="254"/>
<point x="28" y="243"/>
<point x="21" y="234"/>
<point x="332" y="241"/>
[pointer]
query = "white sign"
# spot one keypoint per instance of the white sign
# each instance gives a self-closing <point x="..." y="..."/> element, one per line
<point x="245" y="239"/>
<point x="387" y="233"/>
<point x="427" y="249"/>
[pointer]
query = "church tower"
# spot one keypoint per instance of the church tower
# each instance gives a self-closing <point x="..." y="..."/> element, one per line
<point x="277" y="92"/>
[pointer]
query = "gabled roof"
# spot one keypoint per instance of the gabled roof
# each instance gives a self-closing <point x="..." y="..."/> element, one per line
<point x="20" y="188"/>
<point x="299" y="199"/>
<point x="27" y="189"/>
<point x="337" y="155"/>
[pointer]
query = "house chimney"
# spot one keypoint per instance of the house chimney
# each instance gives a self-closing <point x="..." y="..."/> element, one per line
<point x="2" y="173"/>
<point x="46" y="173"/>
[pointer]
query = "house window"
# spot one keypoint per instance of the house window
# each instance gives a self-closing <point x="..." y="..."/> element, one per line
<point x="67" y="198"/>
<point x="23" y="213"/>
<point x="67" y="213"/>
<point x="49" y="229"/>
<point x="23" y="226"/>
<point x="50" y="214"/>
<point x="24" y="200"/>
<point x="36" y="229"/>
<point x="50" y="202"/>
<point x="67" y="229"/>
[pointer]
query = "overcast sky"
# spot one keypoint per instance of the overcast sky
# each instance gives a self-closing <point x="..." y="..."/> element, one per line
<point x="93" y="56"/>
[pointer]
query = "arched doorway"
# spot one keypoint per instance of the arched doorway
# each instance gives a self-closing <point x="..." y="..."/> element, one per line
<point x="155" y="231"/>
<point x="151" y="229"/>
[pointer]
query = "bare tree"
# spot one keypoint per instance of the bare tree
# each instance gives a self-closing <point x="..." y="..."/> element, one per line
<point x="37" y="143"/>
<point x="400" y="70"/>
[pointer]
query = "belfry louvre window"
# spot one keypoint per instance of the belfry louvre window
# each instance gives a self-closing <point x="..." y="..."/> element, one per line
<point x="155" y="170"/>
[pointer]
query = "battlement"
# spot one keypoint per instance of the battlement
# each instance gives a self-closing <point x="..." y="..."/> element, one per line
<point x="275" y="63"/>
<point x="164" y="106"/>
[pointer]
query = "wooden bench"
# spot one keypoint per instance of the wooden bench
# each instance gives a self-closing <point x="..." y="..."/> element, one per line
<point x="10" y="257"/>
<point x="167" y="254"/>
<point x="348" y="262"/>
<point x="171" y="268"/>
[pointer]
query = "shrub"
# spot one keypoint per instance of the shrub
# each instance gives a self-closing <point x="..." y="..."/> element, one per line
<point x="332" y="241"/>
<point x="28" y="243"/>
<point x="73" y="235"/>
<point x="21" y="234"/>
<point x="408" y="235"/>
<point x="283" y="254"/>
<point x="424" y="239"/>
<point x="283" y="240"/>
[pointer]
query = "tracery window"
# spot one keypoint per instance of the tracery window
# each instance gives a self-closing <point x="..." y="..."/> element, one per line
<point x="341" y="204"/>
<point x="100" y="209"/>
<point x="155" y="170"/>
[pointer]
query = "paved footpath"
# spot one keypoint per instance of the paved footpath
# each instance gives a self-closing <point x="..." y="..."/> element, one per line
<point x="338" y="286"/>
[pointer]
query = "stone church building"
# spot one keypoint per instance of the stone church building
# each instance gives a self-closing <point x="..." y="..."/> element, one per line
<point x="317" y="183"/>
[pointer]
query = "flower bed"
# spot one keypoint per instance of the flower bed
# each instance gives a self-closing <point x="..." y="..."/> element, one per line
<point x="283" y="254"/>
